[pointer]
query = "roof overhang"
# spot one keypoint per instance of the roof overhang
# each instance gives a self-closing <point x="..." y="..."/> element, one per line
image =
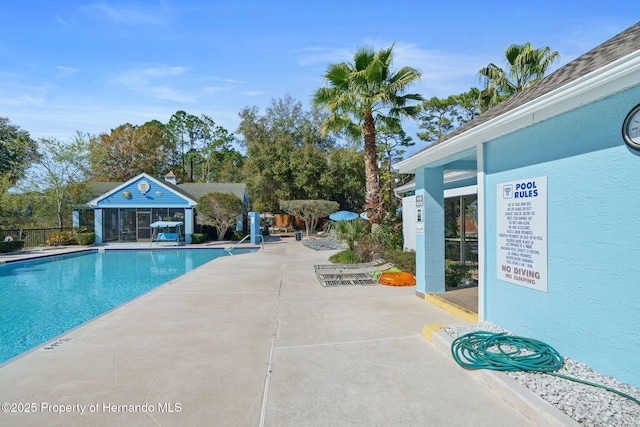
<point x="607" y="80"/>
<point x="94" y="202"/>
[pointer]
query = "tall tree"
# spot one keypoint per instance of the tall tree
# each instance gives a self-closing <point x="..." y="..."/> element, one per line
<point x="129" y="150"/>
<point x="217" y="160"/>
<point x="391" y="148"/>
<point x="60" y="166"/>
<point x="525" y="66"/>
<point x="362" y="95"/>
<point x="17" y="153"/>
<point x="344" y="179"/>
<point x="439" y="116"/>
<point x="188" y="133"/>
<point x="286" y="153"/>
<point x="468" y="107"/>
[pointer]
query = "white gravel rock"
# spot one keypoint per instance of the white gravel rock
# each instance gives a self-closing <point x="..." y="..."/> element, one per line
<point x="588" y="405"/>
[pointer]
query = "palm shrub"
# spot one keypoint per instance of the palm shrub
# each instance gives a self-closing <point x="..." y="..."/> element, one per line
<point x="351" y="232"/>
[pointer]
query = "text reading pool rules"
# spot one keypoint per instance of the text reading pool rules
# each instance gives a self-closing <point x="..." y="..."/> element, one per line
<point x="521" y="226"/>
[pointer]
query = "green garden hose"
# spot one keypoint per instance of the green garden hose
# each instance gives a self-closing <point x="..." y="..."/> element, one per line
<point x="502" y="352"/>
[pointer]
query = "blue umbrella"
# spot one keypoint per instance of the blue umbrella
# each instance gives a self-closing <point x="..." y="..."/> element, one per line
<point x="343" y="216"/>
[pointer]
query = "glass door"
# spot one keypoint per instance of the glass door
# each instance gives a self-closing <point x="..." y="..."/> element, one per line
<point x="461" y="241"/>
<point x="143" y="229"/>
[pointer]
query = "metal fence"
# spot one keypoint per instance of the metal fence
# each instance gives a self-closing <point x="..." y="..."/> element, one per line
<point x="32" y="237"/>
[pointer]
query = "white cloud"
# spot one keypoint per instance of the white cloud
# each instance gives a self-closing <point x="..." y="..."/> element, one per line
<point x="153" y="82"/>
<point x="443" y="73"/>
<point x="129" y="14"/>
<point x="210" y="89"/>
<point x="21" y="101"/>
<point x="64" y="72"/>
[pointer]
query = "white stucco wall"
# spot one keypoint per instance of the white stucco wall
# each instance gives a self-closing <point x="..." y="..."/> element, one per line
<point x="409" y="222"/>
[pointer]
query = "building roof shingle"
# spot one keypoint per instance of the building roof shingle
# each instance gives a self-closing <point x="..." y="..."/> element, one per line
<point x="621" y="45"/>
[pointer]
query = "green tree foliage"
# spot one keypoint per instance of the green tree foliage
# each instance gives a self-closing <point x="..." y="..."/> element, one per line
<point x="217" y="160"/>
<point x="286" y="153"/>
<point x="17" y="153"/>
<point x="203" y="151"/>
<point x="187" y="134"/>
<point x="129" y="150"/>
<point x="61" y="169"/>
<point x="23" y="208"/>
<point x="219" y="210"/>
<point x="525" y="66"/>
<point x="343" y="178"/>
<point x="309" y="210"/>
<point x="438" y="116"/>
<point x="391" y="148"/>
<point x="362" y="95"/>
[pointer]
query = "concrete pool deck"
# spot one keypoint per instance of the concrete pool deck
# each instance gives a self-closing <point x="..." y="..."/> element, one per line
<point x="252" y="340"/>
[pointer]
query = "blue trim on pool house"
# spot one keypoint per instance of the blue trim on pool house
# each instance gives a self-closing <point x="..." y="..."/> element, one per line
<point x="557" y="193"/>
<point x="145" y="199"/>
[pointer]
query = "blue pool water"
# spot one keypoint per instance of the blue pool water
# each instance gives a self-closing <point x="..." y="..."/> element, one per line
<point x="43" y="298"/>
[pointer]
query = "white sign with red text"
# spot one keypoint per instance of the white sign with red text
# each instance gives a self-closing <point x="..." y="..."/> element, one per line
<point x="521" y="227"/>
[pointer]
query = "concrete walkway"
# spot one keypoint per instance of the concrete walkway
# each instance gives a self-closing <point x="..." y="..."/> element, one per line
<point x="254" y="340"/>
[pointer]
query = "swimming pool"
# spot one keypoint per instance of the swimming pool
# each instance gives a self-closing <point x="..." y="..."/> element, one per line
<point x="42" y="298"/>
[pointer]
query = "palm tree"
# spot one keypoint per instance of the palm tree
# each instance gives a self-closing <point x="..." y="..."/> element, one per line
<point x="361" y="95"/>
<point x="526" y="66"/>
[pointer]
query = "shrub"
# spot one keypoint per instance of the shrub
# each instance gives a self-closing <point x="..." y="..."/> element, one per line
<point x="345" y="257"/>
<point x="86" y="238"/>
<point x="61" y="238"/>
<point x="389" y="235"/>
<point x="237" y="235"/>
<point x="11" y="246"/>
<point x="197" y="238"/>
<point x="456" y="275"/>
<point x="404" y="260"/>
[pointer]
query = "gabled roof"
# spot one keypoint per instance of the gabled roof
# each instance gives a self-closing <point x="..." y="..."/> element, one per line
<point x="198" y="189"/>
<point x="191" y="190"/>
<point x="114" y="187"/>
<point x="614" y="59"/>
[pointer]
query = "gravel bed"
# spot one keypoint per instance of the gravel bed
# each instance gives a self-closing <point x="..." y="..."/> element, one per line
<point x="588" y="405"/>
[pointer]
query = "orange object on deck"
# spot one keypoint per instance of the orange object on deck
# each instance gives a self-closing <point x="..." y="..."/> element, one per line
<point x="401" y="278"/>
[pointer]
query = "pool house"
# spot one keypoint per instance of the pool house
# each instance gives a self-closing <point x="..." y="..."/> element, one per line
<point x="555" y="172"/>
<point x="126" y="211"/>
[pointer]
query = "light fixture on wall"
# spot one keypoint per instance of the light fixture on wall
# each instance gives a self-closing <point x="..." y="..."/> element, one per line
<point x="127" y="194"/>
<point x="158" y="194"/>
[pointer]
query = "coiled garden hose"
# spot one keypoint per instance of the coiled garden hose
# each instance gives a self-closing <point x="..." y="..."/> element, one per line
<point x="502" y="352"/>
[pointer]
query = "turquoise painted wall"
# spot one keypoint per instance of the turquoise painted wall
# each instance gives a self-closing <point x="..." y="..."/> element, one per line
<point x="460" y="183"/>
<point x="591" y="311"/>
<point x="430" y="242"/>
<point x="166" y="198"/>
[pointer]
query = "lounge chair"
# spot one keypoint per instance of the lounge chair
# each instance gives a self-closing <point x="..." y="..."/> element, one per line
<point x="344" y="266"/>
<point x="350" y="274"/>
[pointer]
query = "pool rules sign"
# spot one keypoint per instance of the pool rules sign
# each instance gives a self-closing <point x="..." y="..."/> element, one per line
<point x="521" y="226"/>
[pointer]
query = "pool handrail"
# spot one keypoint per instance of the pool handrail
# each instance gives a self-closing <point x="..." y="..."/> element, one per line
<point x="230" y="248"/>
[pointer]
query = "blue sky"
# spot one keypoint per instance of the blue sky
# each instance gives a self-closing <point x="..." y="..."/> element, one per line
<point x="90" y="66"/>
